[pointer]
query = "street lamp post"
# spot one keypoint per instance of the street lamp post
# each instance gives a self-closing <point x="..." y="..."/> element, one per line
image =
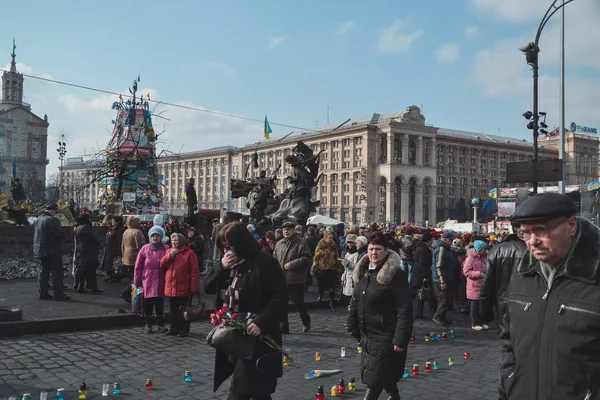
<point x="531" y="51"/>
<point x="62" y="151"/>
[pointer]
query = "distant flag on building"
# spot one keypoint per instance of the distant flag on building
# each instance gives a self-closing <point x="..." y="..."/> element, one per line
<point x="14" y="45"/>
<point x="13" y="172"/>
<point x="593" y="186"/>
<point x="268" y="129"/>
<point x="493" y="193"/>
<point x="255" y="159"/>
<point x="138" y="77"/>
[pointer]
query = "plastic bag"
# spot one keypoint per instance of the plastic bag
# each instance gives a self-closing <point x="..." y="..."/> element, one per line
<point x="137" y="297"/>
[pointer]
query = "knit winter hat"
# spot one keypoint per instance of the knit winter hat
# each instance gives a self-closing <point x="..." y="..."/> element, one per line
<point x="156" y="230"/>
<point x="362" y="239"/>
<point x="479" y="245"/>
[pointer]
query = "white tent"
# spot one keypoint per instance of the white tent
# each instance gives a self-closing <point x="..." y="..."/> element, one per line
<point x="321" y="219"/>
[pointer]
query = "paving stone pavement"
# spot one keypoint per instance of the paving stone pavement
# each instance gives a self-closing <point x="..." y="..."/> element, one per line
<point x="129" y="356"/>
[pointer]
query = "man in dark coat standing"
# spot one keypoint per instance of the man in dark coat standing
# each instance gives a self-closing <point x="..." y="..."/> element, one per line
<point x="444" y="271"/>
<point x="47" y="246"/>
<point x="191" y="198"/>
<point x="421" y="274"/>
<point x="16" y="190"/>
<point x="551" y="340"/>
<point x="501" y="261"/>
<point x="294" y="257"/>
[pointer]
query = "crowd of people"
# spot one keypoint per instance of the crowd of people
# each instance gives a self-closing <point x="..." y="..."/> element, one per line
<point x="539" y="284"/>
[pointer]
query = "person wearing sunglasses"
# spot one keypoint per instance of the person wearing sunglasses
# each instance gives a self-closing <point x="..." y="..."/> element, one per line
<point x="551" y="335"/>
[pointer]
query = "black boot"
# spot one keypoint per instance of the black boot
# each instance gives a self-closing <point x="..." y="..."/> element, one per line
<point x="160" y="323"/>
<point x="80" y="279"/>
<point x="371" y="394"/>
<point x="331" y="300"/>
<point x="393" y="395"/>
<point x="148" y="324"/>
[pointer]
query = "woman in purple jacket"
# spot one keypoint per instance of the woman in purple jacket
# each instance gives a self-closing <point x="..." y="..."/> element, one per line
<point x="149" y="276"/>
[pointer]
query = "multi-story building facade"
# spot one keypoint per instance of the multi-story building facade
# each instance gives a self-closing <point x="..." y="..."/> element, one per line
<point x="389" y="167"/>
<point x="23" y="138"/>
<point x="581" y="155"/>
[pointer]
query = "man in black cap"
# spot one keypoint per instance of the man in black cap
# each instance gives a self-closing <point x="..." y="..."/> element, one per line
<point x="443" y="273"/>
<point x="47" y="246"/>
<point x="294" y="256"/>
<point x="551" y="335"/>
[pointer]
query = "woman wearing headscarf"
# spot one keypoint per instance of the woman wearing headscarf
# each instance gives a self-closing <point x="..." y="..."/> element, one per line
<point x="326" y="267"/>
<point x="380" y="317"/>
<point x="267" y="243"/>
<point x="255" y="285"/>
<point x="149" y="276"/>
<point x="182" y="280"/>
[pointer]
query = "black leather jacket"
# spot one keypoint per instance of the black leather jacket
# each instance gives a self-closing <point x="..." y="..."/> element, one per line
<point x="501" y="261"/>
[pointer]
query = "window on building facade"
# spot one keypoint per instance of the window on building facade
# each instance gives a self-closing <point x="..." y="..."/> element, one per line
<point x="334" y="200"/>
<point x="358" y="140"/>
<point x="440" y="180"/>
<point x="346" y="200"/>
<point x="474" y="182"/>
<point x="440" y="190"/>
<point x="324" y="201"/>
<point x="346" y="154"/>
<point x="451" y="191"/>
<point x="463" y="181"/>
<point x="440" y="169"/>
<point x="502" y="174"/>
<point x="473" y="171"/>
<point x="452" y="180"/>
<point x="346" y="142"/>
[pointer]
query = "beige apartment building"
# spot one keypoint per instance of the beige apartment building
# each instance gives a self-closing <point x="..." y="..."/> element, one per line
<point x="390" y="167"/>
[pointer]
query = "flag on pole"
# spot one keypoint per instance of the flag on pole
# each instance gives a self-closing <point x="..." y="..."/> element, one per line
<point x="255" y="159"/>
<point x="489" y="205"/>
<point x="493" y="193"/>
<point x="268" y="129"/>
<point x="14" y="45"/>
<point x="13" y="173"/>
<point x="138" y="78"/>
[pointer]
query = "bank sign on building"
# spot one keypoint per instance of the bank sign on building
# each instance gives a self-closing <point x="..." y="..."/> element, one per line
<point x="583" y="129"/>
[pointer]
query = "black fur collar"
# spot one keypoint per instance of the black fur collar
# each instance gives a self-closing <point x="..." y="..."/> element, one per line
<point x="386" y="272"/>
<point x="584" y="261"/>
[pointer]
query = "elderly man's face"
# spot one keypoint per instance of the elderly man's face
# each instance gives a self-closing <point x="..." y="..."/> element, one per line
<point x="288" y="232"/>
<point x="549" y="241"/>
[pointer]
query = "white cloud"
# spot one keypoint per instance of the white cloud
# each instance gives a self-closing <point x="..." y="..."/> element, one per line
<point x="345" y="26"/>
<point x="394" y="38"/>
<point x="447" y="53"/>
<point x="220" y="67"/>
<point x="501" y="71"/>
<point x="514" y="10"/>
<point x="471" y="32"/>
<point x="276" y="41"/>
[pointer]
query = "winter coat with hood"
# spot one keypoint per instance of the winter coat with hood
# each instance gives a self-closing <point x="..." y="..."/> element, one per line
<point x="422" y="261"/>
<point x="296" y="252"/>
<point x="445" y="265"/>
<point x="501" y="261"/>
<point x="147" y="272"/>
<point x="182" y="277"/>
<point x="86" y="248"/>
<point x="349" y="263"/>
<point x="265" y="295"/>
<point x="380" y="317"/>
<point x="551" y="344"/>
<point x="133" y="240"/>
<point x="474" y="269"/>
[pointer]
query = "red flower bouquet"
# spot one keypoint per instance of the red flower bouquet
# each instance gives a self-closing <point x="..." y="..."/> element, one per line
<point x="229" y="335"/>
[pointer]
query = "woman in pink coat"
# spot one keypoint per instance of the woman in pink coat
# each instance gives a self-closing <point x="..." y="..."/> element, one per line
<point x="149" y="276"/>
<point x="474" y="269"/>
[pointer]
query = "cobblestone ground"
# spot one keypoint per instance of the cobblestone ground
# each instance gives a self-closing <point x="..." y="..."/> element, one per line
<point x="129" y="356"/>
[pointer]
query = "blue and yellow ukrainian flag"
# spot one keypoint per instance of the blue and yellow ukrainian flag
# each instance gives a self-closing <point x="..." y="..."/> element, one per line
<point x="593" y="186"/>
<point x="13" y="172"/>
<point x="493" y="193"/>
<point x="268" y="129"/>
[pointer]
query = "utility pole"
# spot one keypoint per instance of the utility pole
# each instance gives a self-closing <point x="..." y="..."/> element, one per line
<point x="561" y="133"/>
<point x="62" y="151"/>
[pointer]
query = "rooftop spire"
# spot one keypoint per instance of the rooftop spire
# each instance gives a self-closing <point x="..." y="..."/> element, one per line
<point x="13" y="64"/>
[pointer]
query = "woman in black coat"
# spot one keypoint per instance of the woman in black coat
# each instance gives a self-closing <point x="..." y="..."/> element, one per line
<point x="86" y="256"/>
<point x="257" y="287"/>
<point x="112" y="247"/>
<point x="380" y="317"/>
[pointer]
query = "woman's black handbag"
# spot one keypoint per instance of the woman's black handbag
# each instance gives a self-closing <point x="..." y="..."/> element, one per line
<point x="425" y="292"/>
<point x="232" y="341"/>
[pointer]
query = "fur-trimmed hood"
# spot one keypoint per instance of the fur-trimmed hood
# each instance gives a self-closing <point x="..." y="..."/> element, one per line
<point x="386" y="273"/>
<point x="583" y="262"/>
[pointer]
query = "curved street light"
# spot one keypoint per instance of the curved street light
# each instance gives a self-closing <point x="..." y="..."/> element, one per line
<point x="531" y="51"/>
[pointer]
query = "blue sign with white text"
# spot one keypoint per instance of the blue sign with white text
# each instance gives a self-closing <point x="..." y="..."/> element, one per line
<point x="584" y="129"/>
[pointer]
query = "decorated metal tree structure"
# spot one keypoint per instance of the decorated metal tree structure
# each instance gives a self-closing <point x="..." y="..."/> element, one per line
<point x="129" y="173"/>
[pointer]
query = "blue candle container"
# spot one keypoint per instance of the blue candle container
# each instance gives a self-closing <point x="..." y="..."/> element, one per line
<point x="60" y="394"/>
<point x="187" y="376"/>
<point x="116" y="388"/>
